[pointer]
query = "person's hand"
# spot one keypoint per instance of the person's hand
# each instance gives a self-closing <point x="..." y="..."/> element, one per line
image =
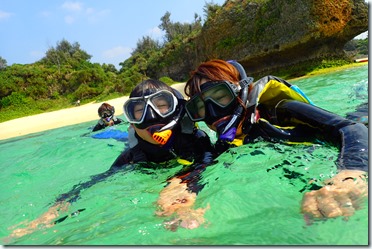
<point x="174" y="197"/>
<point x="44" y="221"/>
<point x="343" y="194"/>
<point x="177" y="199"/>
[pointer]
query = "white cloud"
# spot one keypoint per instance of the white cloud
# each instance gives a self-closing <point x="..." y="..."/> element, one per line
<point x="156" y="32"/>
<point x="72" y="6"/>
<point x="94" y="15"/>
<point x="117" y="52"/>
<point x="46" y="13"/>
<point x="4" y="15"/>
<point x="89" y="11"/>
<point x="76" y="10"/>
<point x="69" y="19"/>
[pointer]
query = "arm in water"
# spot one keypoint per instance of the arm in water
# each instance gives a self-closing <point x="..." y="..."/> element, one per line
<point x="63" y="202"/>
<point x="179" y="196"/>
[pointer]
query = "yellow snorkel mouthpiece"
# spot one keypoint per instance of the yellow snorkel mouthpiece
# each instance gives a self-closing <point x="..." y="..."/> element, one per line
<point x="162" y="137"/>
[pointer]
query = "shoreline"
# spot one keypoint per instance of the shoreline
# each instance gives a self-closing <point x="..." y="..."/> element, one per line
<point x="60" y="118"/>
<point x="88" y="112"/>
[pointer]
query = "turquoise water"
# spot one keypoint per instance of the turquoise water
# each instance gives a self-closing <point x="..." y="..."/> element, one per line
<point x="254" y="191"/>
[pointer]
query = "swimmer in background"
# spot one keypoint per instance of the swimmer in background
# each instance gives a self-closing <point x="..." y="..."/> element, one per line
<point x="107" y="118"/>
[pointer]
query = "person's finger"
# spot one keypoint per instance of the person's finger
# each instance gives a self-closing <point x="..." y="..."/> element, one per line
<point x="329" y="207"/>
<point x="345" y="204"/>
<point x="309" y="205"/>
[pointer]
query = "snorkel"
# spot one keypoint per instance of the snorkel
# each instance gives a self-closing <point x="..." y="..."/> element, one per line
<point x="227" y="132"/>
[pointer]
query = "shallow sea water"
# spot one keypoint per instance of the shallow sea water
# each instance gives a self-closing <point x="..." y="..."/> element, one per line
<point x="254" y="191"/>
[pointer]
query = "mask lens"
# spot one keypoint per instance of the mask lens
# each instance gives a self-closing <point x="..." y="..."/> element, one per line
<point x="105" y="115"/>
<point x="218" y="93"/>
<point x="195" y="108"/>
<point x="134" y="110"/>
<point x="163" y="103"/>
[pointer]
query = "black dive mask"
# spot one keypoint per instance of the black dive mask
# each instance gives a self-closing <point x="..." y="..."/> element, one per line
<point x="156" y="108"/>
<point x="159" y="113"/>
<point x="217" y="104"/>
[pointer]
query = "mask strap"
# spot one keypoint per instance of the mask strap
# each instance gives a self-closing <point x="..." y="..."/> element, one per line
<point x="229" y="131"/>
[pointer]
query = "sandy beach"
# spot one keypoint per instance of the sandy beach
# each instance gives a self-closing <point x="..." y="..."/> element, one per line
<point x="56" y="119"/>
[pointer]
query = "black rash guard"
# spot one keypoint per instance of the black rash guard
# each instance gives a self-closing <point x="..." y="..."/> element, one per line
<point x="310" y="123"/>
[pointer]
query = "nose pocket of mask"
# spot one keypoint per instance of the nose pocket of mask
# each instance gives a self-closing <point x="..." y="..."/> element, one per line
<point x="162" y="137"/>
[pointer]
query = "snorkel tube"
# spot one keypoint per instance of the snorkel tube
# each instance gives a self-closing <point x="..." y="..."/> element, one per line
<point x="228" y="131"/>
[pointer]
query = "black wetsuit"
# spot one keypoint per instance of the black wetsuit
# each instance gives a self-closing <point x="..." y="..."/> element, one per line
<point x="300" y="122"/>
<point x="195" y="146"/>
<point x="101" y="125"/>
<point x="188" y="143"/>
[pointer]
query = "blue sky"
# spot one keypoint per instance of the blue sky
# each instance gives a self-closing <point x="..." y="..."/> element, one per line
<point x="106" y="29"/>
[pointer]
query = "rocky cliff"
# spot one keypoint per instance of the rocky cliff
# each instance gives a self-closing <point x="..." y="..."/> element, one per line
<point x="264" y="35"/>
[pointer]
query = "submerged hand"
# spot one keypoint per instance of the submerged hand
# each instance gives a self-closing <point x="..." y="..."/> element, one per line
<point x="177" y="199"/>
<point x="45" y="220"/>
<point x="343" y="194"/>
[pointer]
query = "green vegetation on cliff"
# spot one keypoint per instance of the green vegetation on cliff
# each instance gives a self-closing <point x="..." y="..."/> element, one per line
<point x="66" y="75"/>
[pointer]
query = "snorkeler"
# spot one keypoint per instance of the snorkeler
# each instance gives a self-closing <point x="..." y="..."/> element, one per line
<point x="241" y="111"/>
<point x="159" y="128"/>
<point x="107" y="118"/>
<point x="160" y="131"/>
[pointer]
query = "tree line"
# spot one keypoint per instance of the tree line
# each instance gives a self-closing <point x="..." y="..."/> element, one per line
<point x="65" y="74"/>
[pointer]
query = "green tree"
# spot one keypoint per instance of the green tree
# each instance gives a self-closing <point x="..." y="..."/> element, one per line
<point x="65" y="53"/>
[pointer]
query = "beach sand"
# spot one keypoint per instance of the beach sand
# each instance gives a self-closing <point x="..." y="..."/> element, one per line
<point x="56" y="119"/>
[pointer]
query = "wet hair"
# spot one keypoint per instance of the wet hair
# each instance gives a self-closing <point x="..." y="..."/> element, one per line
<point x="213" y="70"/>
<point x="106" y="107"/>
<point x="151" y="86"/>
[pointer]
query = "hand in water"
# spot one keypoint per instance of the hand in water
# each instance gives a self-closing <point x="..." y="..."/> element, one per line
<point x="343" y="194"/>
<point x="44" y="221"/>
<point x="177" y="199"/>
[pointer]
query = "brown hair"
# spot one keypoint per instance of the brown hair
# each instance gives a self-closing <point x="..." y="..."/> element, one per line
<point x="212" y="70"/>
<point x="105" y="107"/>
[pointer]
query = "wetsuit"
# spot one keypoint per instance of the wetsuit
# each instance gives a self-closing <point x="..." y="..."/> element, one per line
<point x="188" y="143"/>
<point x="276" y="116"/>
<point x="101" y="125"/>
<point x="194" y="146"/>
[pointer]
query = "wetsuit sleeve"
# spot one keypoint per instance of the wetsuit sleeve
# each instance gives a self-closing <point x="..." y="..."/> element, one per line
<point x="349" y="136"/>
<point x="204" y="147"/>
<point x="117" y="120"/>
<point x="98" y="126"/>
<point x="130" y="155"/>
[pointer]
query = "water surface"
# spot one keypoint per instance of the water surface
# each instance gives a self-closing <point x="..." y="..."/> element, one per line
<point x="254" y="191"/>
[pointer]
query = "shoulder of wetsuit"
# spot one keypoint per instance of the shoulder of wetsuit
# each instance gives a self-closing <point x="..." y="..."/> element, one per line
<point x="125" y="157"/>
<point x="98" y="126"/>
<point x="117" y="120"/>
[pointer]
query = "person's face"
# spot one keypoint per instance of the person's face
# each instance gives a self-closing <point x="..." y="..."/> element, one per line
<point x="108" y="123"/>
<point x="219" y="95"/>
<point x="161" y="104"/>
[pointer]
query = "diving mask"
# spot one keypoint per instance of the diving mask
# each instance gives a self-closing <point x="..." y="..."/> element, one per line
<point x="138" y="109"/>
<point x="216" y="100"/>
